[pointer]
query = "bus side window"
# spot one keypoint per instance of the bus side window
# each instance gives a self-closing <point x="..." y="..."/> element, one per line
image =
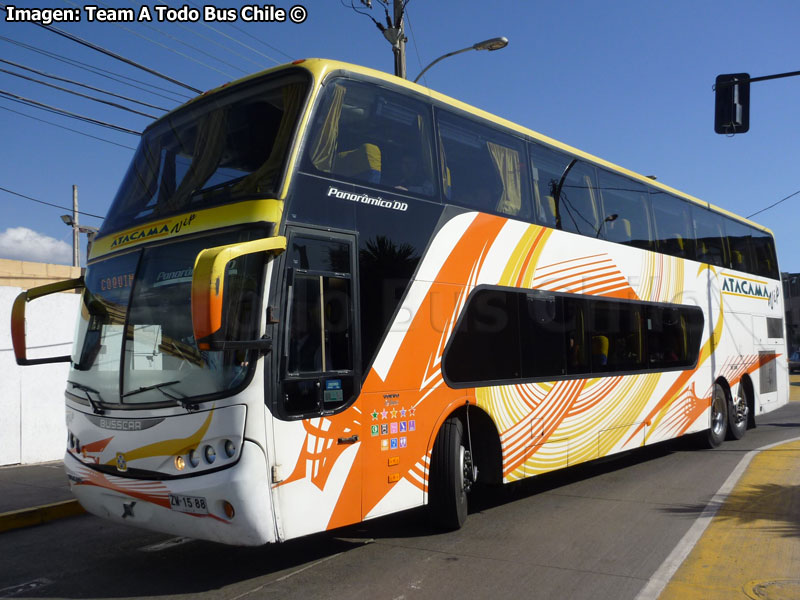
<point x="739" y="242"/>
<point x="578" y="204"/>
<point x="710" y="236"/>
<point x="371" y="135"/>
<point x="626" y="211"/>
<point x="765" y="262"/>
<point x="547" y="166"/>
<point x="673" y="225"/>
<point x="576" y="339"/>
<point x="482" y="168"/>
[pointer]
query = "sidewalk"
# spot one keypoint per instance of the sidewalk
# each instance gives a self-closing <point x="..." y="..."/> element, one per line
<point x="33" y="494"/>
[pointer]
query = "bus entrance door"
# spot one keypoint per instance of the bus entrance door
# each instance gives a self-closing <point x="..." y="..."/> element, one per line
<point x="317" y="473"/>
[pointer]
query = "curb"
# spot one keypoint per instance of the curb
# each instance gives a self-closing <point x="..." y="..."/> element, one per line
<point x="27" y="517"/>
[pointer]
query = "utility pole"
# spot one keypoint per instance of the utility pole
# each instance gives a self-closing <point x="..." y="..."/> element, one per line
<point x="76" y="233"/>
<point x="399" y="43"/>
<point x="392" y="31"/>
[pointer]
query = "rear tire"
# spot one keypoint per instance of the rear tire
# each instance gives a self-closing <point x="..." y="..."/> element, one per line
<point x="449" y="479"/>
<point x="719" y="417"/>
<point x="738" y="413"/>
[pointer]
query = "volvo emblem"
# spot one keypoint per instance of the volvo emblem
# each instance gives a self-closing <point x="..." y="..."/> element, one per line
<point x="122" y="464"/>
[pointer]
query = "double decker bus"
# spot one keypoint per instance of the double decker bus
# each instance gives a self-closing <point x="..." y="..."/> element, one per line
<point x="323" y="294"/>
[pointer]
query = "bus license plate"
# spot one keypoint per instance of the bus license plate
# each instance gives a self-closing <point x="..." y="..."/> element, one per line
<point x="188" y="504"/>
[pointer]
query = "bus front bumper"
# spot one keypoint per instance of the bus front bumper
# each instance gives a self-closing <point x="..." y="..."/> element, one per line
<point x="190" y="507"/>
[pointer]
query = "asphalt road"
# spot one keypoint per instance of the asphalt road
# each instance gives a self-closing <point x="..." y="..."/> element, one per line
<point x="595" y="531"/>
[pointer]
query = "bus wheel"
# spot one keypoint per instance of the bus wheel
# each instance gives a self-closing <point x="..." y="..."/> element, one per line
<point x="719" y="417"/>
<point x="450" y="477"/>
<point x="738" y="414"/>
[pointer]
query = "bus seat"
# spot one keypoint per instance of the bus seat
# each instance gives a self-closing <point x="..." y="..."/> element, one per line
<point x="702" y="251"/>
<point x="549" y="209"/>
<point x="599" y="350"/>
<point x="362" y="163"/>
<point x="738" y="259"/>
<point x="634" y="346"/>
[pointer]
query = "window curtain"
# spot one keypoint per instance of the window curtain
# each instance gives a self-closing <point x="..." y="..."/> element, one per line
<point x="324" y="149"/>
<point x="264" y="177"/>
<point x="506" y="161"/>
<point x="425" y="144"/>
<point x="208" y="146"/>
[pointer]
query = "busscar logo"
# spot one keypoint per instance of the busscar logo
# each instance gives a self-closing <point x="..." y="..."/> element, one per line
<point x="367" y="199"/>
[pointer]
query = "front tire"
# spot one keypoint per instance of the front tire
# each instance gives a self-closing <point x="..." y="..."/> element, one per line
<point x="449" y="477"/>
<point x="719" y="417"/>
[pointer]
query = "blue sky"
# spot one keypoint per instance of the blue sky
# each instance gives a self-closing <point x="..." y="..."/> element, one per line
<point x="629" y="81"/>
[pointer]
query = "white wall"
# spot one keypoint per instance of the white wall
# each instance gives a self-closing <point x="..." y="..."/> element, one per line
<point x="32" y="427"/>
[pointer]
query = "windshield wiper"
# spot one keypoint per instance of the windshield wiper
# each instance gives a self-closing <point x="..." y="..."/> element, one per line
<point x="155" y="386"/>
<point x="190" y="406"/>
<point x="87" y="390"/>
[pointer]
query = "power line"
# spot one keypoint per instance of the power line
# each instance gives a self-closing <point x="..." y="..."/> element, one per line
<point x="63" y="89"/>
<point x="773" y="205"/>
<point x="225" y="35"/>
<point x="114" y="55"/>
<point x="180" y="41"/>
<point x="250" y="35"/>
<point x="152" y="41"/>
<point x="80" y="212"/>
<point x="101" y="72"/>
<point x="67" y="128"/>
<point x="414" y="39"/>
<point x="208" y="39"/>
<point x="83" y="85"/>
<point x="61" y="111"/>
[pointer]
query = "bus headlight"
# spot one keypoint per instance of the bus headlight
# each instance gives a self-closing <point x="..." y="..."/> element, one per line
<point x="180" y="463"/>
<point x="194" y="458"/>
<point x="210" y="454"/>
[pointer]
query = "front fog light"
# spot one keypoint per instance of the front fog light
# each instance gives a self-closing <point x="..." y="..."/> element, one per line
<point x="180" y="463"/>
<point x="230" y="449"/>
<point x="210" y="454"/>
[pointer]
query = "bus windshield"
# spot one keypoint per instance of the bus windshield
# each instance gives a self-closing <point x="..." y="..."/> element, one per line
<point x="221" y="149"/>
<point x="135" y="318"/>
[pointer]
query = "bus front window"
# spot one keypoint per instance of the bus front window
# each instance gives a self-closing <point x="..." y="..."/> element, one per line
<point x="136" y="317"/>
<point x="225" y="148"/>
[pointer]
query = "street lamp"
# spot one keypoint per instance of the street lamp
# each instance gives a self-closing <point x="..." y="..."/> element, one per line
<point x="78" y="229"/>
<point x="492" y="44"/>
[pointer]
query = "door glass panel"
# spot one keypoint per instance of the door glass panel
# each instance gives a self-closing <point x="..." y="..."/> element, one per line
<point x="319" y="347"/>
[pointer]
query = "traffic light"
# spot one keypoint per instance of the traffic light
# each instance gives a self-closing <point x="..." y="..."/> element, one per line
<point x="732" y="103"/>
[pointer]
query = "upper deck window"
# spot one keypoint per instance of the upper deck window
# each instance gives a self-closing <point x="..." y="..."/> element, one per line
<point x="626" y="211"/>
<point x="369" y="135"/>
<point x="224" y="148"/>
<point x="483" y="168"/>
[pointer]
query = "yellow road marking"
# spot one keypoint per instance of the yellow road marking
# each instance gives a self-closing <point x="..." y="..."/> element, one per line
<point x="751" y="549"/>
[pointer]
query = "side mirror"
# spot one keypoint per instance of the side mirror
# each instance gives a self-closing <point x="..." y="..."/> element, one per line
<point x="208" y="291"/>
<point x="18" y="319"/>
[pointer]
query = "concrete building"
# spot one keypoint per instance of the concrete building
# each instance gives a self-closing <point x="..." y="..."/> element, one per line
<point x="32" y="427"/>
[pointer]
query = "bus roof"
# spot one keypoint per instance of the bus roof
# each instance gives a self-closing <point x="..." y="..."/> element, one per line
<point x="320" y="68"/>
